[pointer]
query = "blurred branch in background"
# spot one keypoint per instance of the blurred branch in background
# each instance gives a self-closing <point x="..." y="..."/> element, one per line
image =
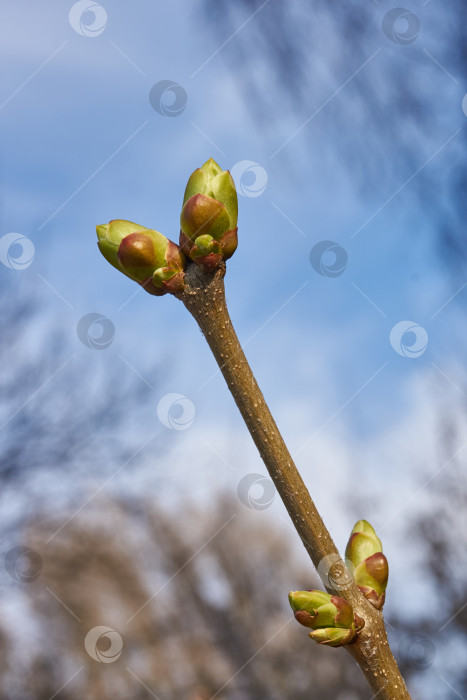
<point x="67" y="416"/>
<point x="193" y="626"/>
<point x="374" y="93"/>
<point x="196" y="602"/>
<point x="195" y="609"/>
<point x="438" y="527"/>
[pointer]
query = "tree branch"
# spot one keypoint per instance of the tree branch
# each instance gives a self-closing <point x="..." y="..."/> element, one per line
<point x="204" y="297"/>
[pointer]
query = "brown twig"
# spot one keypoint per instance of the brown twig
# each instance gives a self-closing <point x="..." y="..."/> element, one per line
<point x="204" y="297"/>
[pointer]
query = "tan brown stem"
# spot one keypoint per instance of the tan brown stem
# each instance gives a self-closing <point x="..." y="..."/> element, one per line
<point x="204" y="297"/>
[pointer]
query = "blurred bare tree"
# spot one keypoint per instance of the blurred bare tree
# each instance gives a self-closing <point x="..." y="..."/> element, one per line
<point x="372" y="89"/>
<point x="438" y="528"/>
<point x="54" y="394"/>
<point x="199" y="602"/>
<point x="219" y="622"/>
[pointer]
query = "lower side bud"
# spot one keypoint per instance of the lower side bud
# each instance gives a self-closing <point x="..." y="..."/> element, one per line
<point x="331" y="618"/>
<point x="333" y="636"/>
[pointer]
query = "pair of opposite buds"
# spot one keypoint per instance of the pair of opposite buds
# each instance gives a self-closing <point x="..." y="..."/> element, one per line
<point x="208" y="235"/>
<point x="331" y="618"/>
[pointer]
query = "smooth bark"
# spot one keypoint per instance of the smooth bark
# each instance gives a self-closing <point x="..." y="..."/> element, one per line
<point x="204" y="297"/>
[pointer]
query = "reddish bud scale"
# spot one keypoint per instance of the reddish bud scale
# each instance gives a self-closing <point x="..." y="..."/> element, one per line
<point x="344" y="617"/>
<point x="305" y="618"/>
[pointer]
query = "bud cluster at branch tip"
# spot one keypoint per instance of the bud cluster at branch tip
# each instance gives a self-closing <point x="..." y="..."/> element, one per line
<point x="364" y="557"/>
<point x="144" y="255"/>
<point x="331" y="618"/>
<point x="208" y="221"/>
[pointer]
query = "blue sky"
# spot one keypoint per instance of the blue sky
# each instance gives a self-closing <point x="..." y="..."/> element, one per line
<point x="82" y="144"/>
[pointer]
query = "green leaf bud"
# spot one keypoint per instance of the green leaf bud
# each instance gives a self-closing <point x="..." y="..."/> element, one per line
<point x="332" y="636"/>
<point x="210" y="209"/>
<point x="364" y="556"/>
<point x="363" y="542"/>
<point x="144" y="255"/>
<point x="322" y="612"/>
